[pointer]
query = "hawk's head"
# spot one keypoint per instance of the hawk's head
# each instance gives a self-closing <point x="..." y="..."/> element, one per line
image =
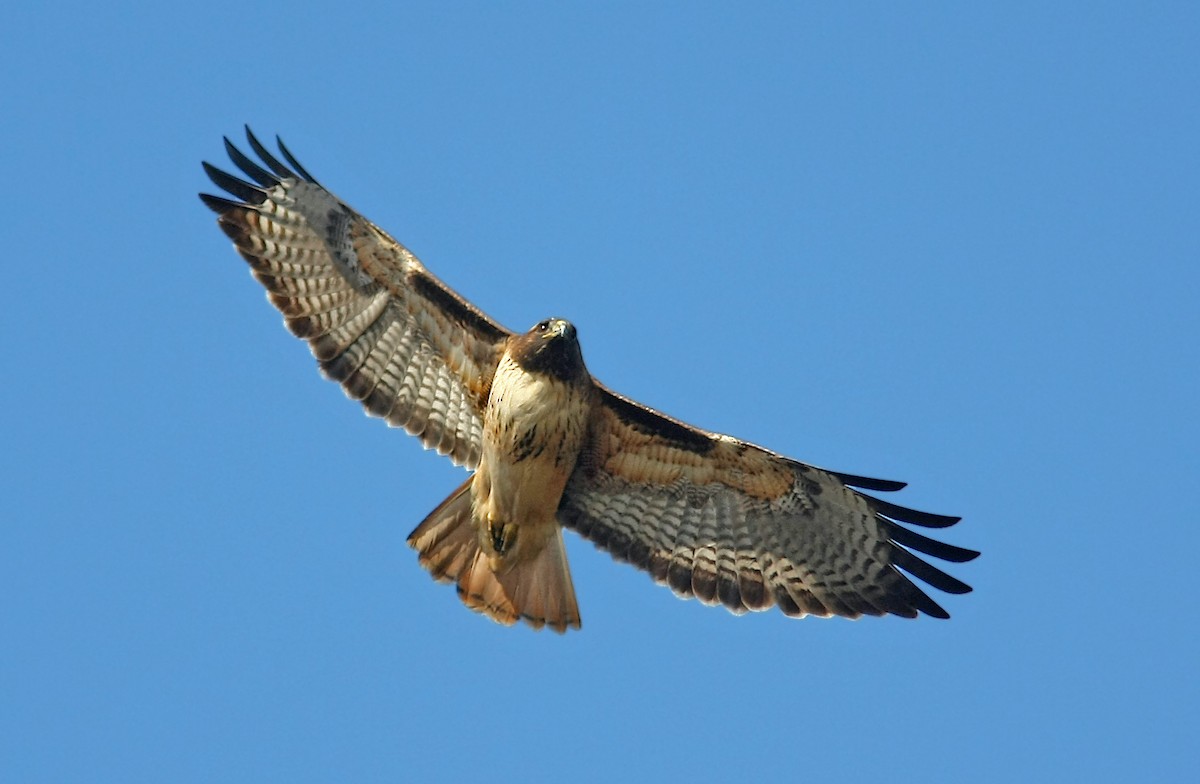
<point x="549" y="348"/>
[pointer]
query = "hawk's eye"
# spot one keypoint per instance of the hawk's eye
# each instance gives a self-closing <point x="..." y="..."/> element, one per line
<point x="543" y="325"/>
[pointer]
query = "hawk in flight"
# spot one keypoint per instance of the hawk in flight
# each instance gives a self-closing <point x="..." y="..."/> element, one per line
<point x="550" y="447"/>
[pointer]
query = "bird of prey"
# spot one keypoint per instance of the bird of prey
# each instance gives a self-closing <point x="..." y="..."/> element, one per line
<point x="550" y="447"/>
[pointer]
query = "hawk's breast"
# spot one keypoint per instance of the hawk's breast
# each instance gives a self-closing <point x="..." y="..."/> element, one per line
<point x="534" y="428"/>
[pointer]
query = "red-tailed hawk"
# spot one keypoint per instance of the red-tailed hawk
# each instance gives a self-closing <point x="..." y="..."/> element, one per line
<point x="709" y="515"/>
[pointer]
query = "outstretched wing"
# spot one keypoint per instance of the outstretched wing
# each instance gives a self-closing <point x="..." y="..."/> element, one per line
<point x="729" y="522"/>
<point x="397" y="339"/>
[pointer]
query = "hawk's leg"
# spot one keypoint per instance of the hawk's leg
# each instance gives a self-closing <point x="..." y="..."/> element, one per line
<point x="503" y="536"/>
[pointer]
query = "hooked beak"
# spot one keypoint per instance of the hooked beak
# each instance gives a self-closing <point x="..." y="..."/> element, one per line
<point x="560" y="328"/>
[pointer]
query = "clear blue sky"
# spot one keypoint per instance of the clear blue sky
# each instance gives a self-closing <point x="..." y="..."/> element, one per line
<point x="953" y="244"/>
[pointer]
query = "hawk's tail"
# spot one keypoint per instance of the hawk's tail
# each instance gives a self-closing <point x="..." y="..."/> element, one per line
<point x="538" y="590"/>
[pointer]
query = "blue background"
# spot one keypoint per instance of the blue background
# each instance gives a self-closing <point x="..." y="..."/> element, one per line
<point x="954" y="244"/>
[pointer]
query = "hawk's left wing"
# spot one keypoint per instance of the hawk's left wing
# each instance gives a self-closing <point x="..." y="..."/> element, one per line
<point x="394" y="336"/>
<point x="732" y="523"/>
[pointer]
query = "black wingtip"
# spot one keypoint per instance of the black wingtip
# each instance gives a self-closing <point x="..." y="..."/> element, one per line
<point x="219" y="205"/>
<point x="269" y="159"/>
<point x="252" y="169"/>
<point x="287" y="154"/>
<point x="867" y="483"/>
<point x="239" y="188"/>
<point x="923" y="544"/>
<point x="932" y="608"/>
<point x="914" y="516"/>
<point x="927" y="572"/>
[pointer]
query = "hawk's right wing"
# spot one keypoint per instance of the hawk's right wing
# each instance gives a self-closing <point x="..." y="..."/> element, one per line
<point x="397" y="339"/>
<point x="732" y="523"/>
